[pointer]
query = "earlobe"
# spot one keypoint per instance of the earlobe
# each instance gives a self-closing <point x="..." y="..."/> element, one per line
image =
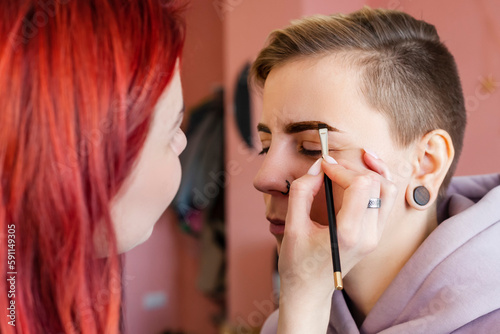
<point x="433" y="158"/>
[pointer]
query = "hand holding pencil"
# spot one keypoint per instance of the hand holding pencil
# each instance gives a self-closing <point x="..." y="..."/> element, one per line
<point x="306" y="264"/>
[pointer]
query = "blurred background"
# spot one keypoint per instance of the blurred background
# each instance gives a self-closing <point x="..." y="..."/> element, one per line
<point x="208" y="267"/>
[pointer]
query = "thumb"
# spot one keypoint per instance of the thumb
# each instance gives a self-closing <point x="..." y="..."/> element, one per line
<point x="302" y="193"/>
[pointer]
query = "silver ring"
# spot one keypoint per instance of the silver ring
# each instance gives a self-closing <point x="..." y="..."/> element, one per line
<point x="374" y="203"/>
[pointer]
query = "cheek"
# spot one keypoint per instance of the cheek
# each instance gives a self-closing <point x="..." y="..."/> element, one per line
<point x="149" y="193"/>
<point x="318" y="209"/>
<point x="165" y="182"/>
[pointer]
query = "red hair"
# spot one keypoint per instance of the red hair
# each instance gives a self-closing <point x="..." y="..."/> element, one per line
<point x="78" y="84"/>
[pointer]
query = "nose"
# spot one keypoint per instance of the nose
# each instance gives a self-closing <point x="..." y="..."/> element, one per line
<point x="273" y="174"/>
<point x="183" y="141"/>
<point x="178" y="142"/>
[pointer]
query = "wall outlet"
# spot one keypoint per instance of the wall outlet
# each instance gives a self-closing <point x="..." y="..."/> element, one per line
<point x="154" y="300"/>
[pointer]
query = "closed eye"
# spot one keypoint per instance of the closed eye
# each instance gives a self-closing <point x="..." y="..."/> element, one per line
<point x="302" y="150"/>
<point x="309" y="153"/>
<point x="312" y="153"/>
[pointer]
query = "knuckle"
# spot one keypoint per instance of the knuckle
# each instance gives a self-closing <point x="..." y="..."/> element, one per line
<point x="364" y="245"/>
<point x="370" y="245"/>
<point x="364" y="181"/>
<point x="348" y="239"/>
<point x="299" y="188"/>
<point x="392" y="189"/>
<point x="374" y="176"/>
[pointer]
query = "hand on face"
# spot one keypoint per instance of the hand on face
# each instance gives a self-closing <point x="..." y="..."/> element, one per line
<point x="305" y="254"/>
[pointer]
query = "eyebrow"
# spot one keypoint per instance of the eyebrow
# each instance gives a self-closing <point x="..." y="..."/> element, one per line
<point x="298" y="127"/>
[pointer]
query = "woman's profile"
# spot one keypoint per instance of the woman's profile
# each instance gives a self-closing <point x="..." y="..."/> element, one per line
<point x="388" y="90"/>
<point x="89" y="143"/>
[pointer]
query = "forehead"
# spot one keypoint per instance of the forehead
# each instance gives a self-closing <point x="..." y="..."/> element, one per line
<point x="311" y="88"/>
<point x="326" y="90"/>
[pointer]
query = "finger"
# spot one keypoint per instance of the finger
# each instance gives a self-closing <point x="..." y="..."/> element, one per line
<point x="388" y="190"/>
<point x="346" y="177"/>
<point x="302" y="193"/>
<point x="377" y="165"/>
<point x="354" y="206"/>
<point x="339" y="174"/>
<point x="388" y="194"/>
<point x="360" y="185"/>
<point x="355" y="220"/>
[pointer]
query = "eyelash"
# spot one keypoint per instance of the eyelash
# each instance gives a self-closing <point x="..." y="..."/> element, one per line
<point x="309" y="153"/>
<point x="302" y="150"/>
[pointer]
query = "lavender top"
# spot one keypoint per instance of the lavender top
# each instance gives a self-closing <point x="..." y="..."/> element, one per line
<point x="451" y="283"/>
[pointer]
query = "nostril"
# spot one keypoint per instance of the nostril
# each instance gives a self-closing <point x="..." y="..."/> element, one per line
<point x="269" y="184"/>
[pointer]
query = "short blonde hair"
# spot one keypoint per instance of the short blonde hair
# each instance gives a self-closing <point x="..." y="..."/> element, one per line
<point x="407" y="73"/>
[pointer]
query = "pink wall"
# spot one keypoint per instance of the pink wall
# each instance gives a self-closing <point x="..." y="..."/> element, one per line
<point x="202" y="59"/>
<point x="327" y="7"/>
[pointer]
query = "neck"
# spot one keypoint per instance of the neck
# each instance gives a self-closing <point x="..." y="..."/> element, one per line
<point x="368" y="280"/>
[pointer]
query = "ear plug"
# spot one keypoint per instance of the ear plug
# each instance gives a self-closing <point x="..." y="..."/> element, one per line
<point x="421" y="195"/>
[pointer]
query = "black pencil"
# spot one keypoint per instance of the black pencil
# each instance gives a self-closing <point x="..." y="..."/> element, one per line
<point x="332" y="221"/>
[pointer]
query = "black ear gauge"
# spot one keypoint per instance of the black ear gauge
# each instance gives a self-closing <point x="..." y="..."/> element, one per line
<point x="287" y="188"/>
<point x="421" y="195"/>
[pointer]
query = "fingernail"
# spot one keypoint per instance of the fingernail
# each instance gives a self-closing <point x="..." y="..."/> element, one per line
<point x="315" y="168"/>
<point x="372" y="153"/>
<point x="330" y="160"/>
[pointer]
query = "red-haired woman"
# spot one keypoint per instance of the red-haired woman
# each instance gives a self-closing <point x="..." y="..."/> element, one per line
<point x="89" y="143"/>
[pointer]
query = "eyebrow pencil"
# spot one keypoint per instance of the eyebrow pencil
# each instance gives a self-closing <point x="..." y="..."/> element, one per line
<point x="332" y="221"/>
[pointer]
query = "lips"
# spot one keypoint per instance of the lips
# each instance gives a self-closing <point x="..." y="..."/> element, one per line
<point x="276" y="226"/>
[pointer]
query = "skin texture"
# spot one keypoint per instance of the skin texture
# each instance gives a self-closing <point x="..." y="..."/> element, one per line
<point x="155" y="179"/>
<point x="374" y="243"/>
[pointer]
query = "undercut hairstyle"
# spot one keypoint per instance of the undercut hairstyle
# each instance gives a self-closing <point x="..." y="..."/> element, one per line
<point x="406" y="72"/>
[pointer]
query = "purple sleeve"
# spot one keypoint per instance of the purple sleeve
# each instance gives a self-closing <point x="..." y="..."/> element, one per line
<point x="271" y="324"/>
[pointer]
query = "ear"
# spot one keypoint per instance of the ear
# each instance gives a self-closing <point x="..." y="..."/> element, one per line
<point x="432" y="159"/>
